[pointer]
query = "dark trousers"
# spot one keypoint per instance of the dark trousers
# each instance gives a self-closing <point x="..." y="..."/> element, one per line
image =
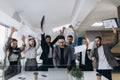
<point x="88" y="63"/>
<point x="48" y="63"/>
<point x="87" y="67"/>
<point x="73" y="64"/>
<point x="105" y="73"/>
<point x="12" y="70"/>
<point x="31" y="65"/>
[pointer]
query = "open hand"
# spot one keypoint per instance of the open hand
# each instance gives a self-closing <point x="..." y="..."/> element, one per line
<point x="13" y="29"/>
<point x="114" y="29"/>
<point x="23" y="38"/>
<point x="71" y="26"/>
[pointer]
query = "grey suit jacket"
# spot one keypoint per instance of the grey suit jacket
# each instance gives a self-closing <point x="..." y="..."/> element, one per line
<point x="57" y="56"/>
<point x="107" y="51"/>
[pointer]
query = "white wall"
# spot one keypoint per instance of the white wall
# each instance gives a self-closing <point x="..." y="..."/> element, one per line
<point x="2" y="39"/>
<point x="92" y="34"/>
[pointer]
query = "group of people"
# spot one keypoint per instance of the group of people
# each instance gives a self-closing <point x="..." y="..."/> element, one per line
<point x="61" y="55"/>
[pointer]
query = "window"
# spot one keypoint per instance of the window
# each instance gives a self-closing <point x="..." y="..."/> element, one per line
<point x="2" y="41"/>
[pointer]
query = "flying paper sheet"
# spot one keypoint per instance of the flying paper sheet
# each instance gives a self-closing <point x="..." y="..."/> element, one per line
<point x="80" y="48"/>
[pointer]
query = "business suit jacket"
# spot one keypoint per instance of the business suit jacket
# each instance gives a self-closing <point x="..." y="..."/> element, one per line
<point x="88" y="63"/>
<point x="107" y="51"/>
<point x="45" y="47"/>
<point x="57" y="56"/>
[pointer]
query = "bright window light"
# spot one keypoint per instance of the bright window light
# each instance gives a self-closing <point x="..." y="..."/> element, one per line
<point x="60" y="27"/>
<point x="97" y="24"/>
<point x="8" y="21"/>
<point x="2" y="39"/>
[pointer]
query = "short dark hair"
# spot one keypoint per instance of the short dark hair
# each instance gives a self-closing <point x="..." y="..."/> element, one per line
<point x="70" y="36"/>
<point x="61" y="37"/>
<point x="84" y="38"/>
<point x="13" y="39"/>
<point x="34" y="41"/>
<point x="47" y="36"/>
<point x="99" y="37"/>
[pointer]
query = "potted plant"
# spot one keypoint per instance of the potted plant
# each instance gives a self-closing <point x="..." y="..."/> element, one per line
<point x="76" y="73"/>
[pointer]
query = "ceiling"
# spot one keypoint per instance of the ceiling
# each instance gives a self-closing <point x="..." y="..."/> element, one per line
<point x="103" y="10"/>
<point x="81" y="13"/>
<point x="57" y="12"/>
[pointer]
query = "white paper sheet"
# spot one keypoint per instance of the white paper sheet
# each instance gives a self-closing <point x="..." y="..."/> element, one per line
<point x="109" y="23"/>
<point x="79" y="48"/>
<point x="91" y="45"/>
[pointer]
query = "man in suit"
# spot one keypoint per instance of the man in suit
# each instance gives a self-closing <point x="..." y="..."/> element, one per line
<point x="62" y="54"/>
<point x="72" y="41"/>
<point x="102" y="54"/>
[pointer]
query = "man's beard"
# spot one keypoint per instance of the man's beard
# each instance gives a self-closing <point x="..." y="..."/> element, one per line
<point x="99" y="45"/>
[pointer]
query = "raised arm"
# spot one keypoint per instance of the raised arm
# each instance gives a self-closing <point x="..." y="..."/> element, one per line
<point x="7" y="44"/>
<point x="115" y="38"/>
<point x="42" y="35"/>
<point x="12" y="31"/>
<point x="37" y="43"/>
<point x="75" y="35"/>
<point x="23" y="43"/>
<point x="62" y="31"/>
<point x="56" y="39"/>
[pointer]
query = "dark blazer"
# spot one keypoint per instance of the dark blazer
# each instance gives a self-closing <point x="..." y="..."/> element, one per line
<point x="88" y="63"/>
<point x="45" y="47"/>
<point x="107" y="51"/>
<point x="57" y="56"/>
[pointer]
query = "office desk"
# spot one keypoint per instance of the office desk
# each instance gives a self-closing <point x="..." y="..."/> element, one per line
<point x="30" y="76"/>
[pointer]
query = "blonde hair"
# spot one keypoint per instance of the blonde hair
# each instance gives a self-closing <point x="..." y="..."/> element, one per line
<point x="85" y="38"/>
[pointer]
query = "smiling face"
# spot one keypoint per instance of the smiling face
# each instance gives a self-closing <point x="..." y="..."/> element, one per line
<point x="98" y="41"/>
<point x="84" y="41"/>
<point x="70" y="39"/>
<point x="61" y="42"/>
<point x="48" y="40"/>
<point x="14" y="44"/>
<point x="32" y="42"/>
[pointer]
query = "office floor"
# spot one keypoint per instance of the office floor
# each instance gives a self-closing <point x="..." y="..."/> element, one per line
<point x="116" y="75"/>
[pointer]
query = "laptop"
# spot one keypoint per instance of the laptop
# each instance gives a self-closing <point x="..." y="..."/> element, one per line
<point x="57" y="74"/>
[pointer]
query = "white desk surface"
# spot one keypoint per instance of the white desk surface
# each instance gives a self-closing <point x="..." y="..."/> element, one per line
<point x="30" y="76"/>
